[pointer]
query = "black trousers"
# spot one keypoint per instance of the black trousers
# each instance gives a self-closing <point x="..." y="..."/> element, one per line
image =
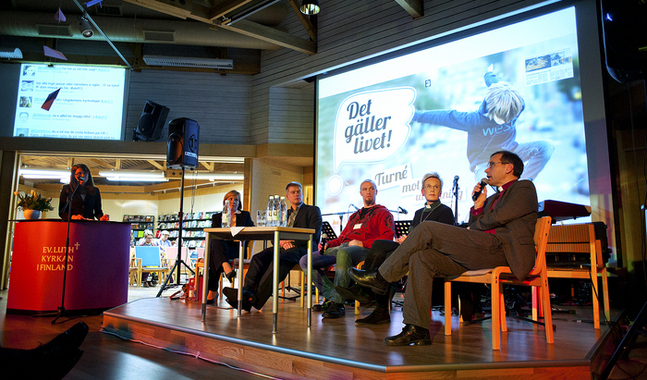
<point x="261" y="270"/>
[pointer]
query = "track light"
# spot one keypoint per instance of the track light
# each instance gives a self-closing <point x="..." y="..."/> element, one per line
<point x="310" y="7"/>
<point x="84" y="26"/>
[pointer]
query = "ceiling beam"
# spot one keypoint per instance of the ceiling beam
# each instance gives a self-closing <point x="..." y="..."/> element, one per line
<point x="225" y="7"/>
<point x="267" y="34"/>
<point x="118" y="164"/>
<point x="305" y="20"/>
<point x="414" y="7"/>
<point x="155" y="164"/>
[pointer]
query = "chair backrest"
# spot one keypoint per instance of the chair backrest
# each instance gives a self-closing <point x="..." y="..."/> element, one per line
<point x="171" y="253"/>
<point x="150" y="256"/>
<point x="542" y="229"/>
<point x="578" y="241"/>
<point x="200" y="252"/>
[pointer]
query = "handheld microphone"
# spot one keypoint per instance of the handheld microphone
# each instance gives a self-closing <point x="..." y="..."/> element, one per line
<point x="476" y="195"/>
<point x="353" y="206"/>
<point x="402" y="211"/>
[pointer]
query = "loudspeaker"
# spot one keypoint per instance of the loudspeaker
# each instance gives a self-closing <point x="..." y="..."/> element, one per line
<point x="624" y="26"/>
<point x="182" y="145"/>
<point x="151" y="122"/>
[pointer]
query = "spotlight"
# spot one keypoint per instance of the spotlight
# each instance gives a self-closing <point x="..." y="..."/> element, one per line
<point x="84" y="26"/>
<point x="310" y="7"/>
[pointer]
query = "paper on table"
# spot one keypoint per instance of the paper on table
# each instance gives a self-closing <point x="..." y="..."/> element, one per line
<point x="235" y="230"/>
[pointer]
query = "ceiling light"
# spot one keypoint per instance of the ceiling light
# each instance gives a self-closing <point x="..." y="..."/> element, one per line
<point x="133" y="176"/>
<point x="310" y="7"/>
<point x="84" y="26"/>
<point x="45" y="174"/>
<point x="218" y="176"/>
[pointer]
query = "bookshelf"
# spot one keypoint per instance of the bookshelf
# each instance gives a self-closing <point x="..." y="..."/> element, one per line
<point x="192" y="225"/>
<point x="140" y="223"/>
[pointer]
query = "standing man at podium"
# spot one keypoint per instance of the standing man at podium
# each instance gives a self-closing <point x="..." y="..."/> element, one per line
<point x="258" y="281"/>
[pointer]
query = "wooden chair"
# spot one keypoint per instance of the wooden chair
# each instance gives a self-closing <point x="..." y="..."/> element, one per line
<point x="537" y="278"/>
<point x="135" y="272"/>
<point x="580" y="238"/>
<point x="152" y="261"/>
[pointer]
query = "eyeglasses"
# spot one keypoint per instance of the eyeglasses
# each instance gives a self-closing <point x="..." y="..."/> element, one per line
<point x="492" y="163"/>
<point x="430" y="187"/>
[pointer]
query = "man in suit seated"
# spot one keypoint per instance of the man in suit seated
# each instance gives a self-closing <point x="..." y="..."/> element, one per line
<point x="501" y="232"/>
<point x="258" y="281"/>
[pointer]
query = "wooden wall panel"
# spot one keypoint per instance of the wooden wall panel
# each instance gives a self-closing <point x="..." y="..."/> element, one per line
<point x="220" y="104"/>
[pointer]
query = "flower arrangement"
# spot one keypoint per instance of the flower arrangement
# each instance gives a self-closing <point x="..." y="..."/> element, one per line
<point x="33" y="201"/>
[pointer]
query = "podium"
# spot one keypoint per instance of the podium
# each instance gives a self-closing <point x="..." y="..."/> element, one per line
<point x="97" y="271"/>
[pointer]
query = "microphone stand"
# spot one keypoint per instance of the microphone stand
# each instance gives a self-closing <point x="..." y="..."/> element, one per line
<point x="455" y="192"/>
<point x="61" y="309"/>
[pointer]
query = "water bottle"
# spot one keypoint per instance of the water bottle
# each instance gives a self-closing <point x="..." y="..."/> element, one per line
<point x="270" y="207"/>
<point x="226" y="216"/>
<point x="276" y="217"/>
<point x="284" y="213"/>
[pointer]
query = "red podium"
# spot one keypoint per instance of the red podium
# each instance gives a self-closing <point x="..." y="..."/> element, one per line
<point x="97" y="270"/>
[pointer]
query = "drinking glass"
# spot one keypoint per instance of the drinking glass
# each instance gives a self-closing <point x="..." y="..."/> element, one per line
<point x="261" y="217"/>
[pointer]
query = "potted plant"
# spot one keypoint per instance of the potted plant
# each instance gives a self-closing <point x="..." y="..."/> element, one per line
<point x="32" y="204"/>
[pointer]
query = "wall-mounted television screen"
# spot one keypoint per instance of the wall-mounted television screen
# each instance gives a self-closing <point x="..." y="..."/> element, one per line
<point x="71" y="102"/>
<point x="515" y="84"/>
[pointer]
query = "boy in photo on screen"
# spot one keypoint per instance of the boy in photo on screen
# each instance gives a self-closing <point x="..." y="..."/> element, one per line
<point x="492" y="128"/>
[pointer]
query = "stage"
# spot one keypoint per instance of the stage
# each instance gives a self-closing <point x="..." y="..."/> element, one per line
<point x="339" y="349"/>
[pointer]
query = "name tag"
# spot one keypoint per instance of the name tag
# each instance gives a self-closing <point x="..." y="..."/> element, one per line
<point x="357" y="226"/>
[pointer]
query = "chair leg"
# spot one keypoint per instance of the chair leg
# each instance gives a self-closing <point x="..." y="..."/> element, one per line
<point x="605" y="294"/>
<point x="496" y="315"/>
<point x="303" y="289"/>
<point x="548" y="316"/>
<point x="448" y="308"/>
<point x="594" y="296"/>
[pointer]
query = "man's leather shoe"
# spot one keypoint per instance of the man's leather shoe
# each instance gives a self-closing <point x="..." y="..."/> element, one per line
<point x="322" y="306"/>
<point x="377" y="317"/>
<point x="410" y="335"/>
<point x="355" y="292"/>
<point x="369" y="279"/>
<point x="232" y="298"/>
<point x="336" y="310"/>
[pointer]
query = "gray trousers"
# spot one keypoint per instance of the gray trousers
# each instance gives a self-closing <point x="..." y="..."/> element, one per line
<point x="434" y="248"/>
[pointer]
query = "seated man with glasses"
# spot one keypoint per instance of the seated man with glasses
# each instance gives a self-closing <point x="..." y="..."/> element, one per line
<point x="434" y="210"/>
<point x="501" y="232"/>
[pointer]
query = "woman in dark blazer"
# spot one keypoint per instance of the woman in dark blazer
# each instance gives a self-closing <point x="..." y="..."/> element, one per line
<point x="221" y="251"/>
<point x="86" y="199"/>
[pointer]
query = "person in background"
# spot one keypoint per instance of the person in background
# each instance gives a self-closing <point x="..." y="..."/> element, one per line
<point x="147" y="241"/>
<point x="434" y="210"/>
<point x="85" y="201"/>
<point x="221" y="251"/>
<point x="163" y="240"/>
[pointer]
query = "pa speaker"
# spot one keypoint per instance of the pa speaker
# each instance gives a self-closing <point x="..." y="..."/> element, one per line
<point x="182" y="145"/>
<point x="151" y="122"/>
<point x="624" y="25"/>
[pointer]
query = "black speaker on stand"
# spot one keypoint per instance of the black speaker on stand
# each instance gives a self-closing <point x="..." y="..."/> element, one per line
<point x="151" y="122"/>
<point x="181" y="153"/>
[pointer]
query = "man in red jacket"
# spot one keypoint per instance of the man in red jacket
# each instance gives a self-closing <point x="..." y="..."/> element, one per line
<point x="370" y="223"/>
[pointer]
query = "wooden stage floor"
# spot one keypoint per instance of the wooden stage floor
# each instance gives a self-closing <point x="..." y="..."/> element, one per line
<point x="339" y="349"/>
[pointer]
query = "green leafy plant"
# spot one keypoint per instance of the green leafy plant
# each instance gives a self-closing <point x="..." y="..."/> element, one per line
<point x="33" y="201"/>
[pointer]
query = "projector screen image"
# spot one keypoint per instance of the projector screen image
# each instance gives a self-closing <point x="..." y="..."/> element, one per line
<point x="88" y="105"/>
<point x="446" y="109"/>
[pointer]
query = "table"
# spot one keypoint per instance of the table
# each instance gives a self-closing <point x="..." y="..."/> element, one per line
<point x="97" y="273"/>
<point x="243" y="234"/>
